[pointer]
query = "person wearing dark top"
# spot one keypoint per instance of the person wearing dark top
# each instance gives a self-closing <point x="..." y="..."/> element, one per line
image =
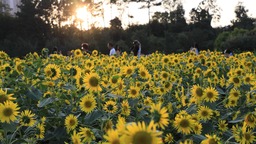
<point x="136" y="48"/>
<point x="85" y="47"/>
<point x="228" y="53"/>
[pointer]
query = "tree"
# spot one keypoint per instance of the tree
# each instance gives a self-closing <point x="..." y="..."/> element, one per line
<point x="242" y="19"/>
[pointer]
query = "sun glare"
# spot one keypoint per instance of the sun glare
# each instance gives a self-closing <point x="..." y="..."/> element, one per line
<point x="83" y="16"/>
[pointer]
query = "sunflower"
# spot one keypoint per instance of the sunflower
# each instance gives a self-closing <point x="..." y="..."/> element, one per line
<point x="27" y="118"/>
<point x="87" y="103"/>
<point x="234" y="94"/>
<point x="78" y="53"/>
<point x="3" y="55"/>
<point x="8" y="111"/>
<point x="168" y="138"/>
<point x="165" y="60"/>
<point x="222" y="125"/>
<point x="52" y="71"/>
<point x="156" y="75"/>
<point x="112" y="137"/>
<point x="205" y="113"/>
<point x="210" y="94"/>
<point x="232" y="102"/>
<point x="75" y="71"/>
<point x="75" y="138"/>
<point x="95" y="53"/>
<point x="167" y="85"/>
<point x="211" y="139"/>
<point x="140" y="133"/>
<point x="164" y="75"/>
<point x="235" y="80"/>
<point x="125" y="108"/>
<point x="160" y="115"/>
<point x="86" y="134"/>
<point x="114" y="80"/>
<point x="143" y="73"/>
<point x="92" y="82"/>
<point x="250" y="120"/>
<point x="120" y="126"/>
<point x="197" y="128"/>
<point x="197" y="92"/>
<point x="5" y="97"/>
<point x="71" y="122"/>
<point x="134" y="92"/>
<point x="108" y="125"/>
<point x="249" y="78"/>
<point x="184" y="123"/>
<point x="89" y="63"/>
<point x="40" y="130"/>
<point x="19" y="67"/>
<point x="110" y="106"/>
<point x="127" y="70"/>
<point x="148" y="101"/>
<point x="243" y="135"/>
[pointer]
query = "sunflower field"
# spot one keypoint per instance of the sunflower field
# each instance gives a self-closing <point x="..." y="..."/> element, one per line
<point x="160" y="98"/>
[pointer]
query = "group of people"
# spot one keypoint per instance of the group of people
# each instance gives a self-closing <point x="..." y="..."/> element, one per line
<point x="227" y="52"/>
<point x="115" y="50"/>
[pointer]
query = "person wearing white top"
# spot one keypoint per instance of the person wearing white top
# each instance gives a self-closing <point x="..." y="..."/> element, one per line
<point x="112" y="49"/>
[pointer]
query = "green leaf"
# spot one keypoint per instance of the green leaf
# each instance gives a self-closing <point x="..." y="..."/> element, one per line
<point x="207" y="128"/>
<point x="34" y="93"/>
<point x="11" y="127"/>
<point x="236" y="120"/>
<point x="220" y="91"/>
<point x="91" y="117"/>
<point x="46" y="101"/>
<point x="192" y="109"/>
<point x="198" y="138"/>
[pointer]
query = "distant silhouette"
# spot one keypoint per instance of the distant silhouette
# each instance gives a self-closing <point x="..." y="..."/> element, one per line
<point x="136" y="48"/>
<point x="112" y="49"/>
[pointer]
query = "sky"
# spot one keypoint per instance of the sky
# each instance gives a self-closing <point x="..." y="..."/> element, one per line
<point x="227" y="11"/>
<point x="140" y="16"/>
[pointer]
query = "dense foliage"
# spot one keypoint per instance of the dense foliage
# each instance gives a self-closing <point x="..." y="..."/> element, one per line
<point x="39" y="25"/>
<point x="159" y="98"/>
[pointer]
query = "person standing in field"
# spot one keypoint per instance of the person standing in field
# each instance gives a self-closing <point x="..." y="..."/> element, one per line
<point x="112" y="49"/>
<point x="118" y="51"/>
<point x="136" y="48"/>
<point x="85" y="48"/>
<point x="194" y="49"/>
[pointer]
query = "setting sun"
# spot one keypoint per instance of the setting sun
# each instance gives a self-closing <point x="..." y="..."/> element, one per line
<point x="83" y="16"/>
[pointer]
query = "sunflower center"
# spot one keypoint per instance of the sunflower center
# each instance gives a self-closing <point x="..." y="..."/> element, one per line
<point x="93" y="81"/>
<point x="133" y="92"/>
<point x="3" y="98"/>
<point x="129" y="71"/>
<point x="236" y="80"/>
<point x="72" y="122"/>
<point x="142" y="137"/>
<point x="184" y="123"/>
<point x="116" y="141"/>
<point x="19" y="68"/>
<point x="247" y="136"/>
<point x="88" y="104"/>
<point x="247" y="79"/>
<point x="143" y="74"/>
<point x="167" y="85"/>
<point x="204" y="113"/>
<point x="209" y="95"/>
<point x="199" y="92"/>
<point x="235" y="94"/>
<point x="8" y="112"/>
<point x="110" y="107"/>
<point x="26" y="119"/>
<point x="165" y="75"/>
<point x="212" y="141"/>
<point x="88" y="133"/>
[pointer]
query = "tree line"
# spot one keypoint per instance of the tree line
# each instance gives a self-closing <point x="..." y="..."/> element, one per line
<point x="39" y="24"/>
